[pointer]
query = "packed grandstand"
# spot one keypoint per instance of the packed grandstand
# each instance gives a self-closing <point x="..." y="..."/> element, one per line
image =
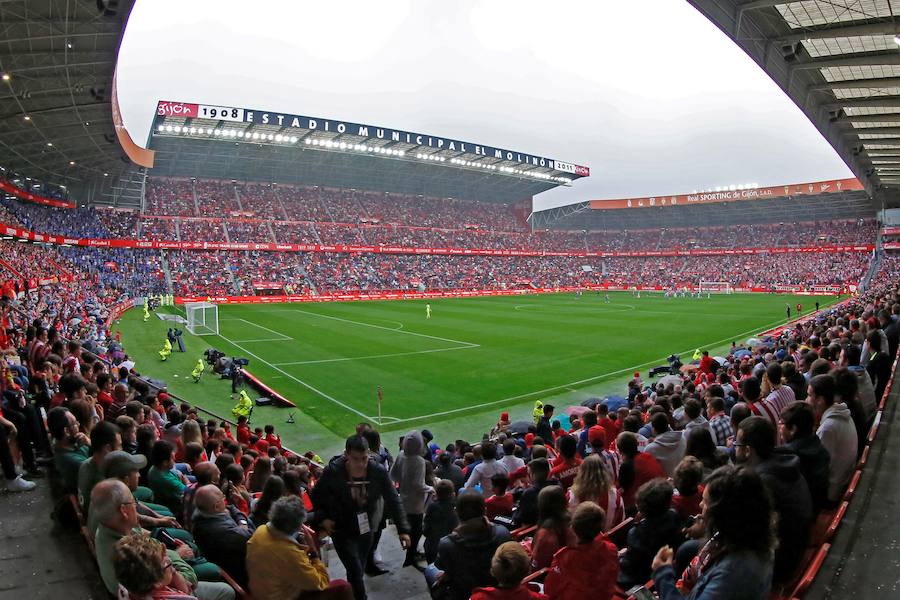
<point x="737" y="472"/>
<point x="69" y="272"/>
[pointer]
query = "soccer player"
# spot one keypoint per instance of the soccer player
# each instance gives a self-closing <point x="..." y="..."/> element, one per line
<point x="427" y="311"/>
<point x="788" y="307"/>
<point x="606" y="298"/>
<point x="146" y="311"/>
<point x="799" y="309"/>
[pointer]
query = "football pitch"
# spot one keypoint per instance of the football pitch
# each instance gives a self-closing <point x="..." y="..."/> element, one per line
<point x="458" y="369"/>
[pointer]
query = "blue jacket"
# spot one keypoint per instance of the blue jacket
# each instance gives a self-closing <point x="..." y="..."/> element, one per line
<point x="736" y="576"/>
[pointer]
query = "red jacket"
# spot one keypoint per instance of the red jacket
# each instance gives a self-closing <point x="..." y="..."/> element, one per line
<point x="520" y="593"/>
<point x="646" y="467"/>
<point x="584" y="571"/>
<point x="243" y="434"/>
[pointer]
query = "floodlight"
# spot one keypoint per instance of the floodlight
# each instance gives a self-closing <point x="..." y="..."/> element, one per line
<point x="6" y="77"/>
<point x="294" y="139"/>
<point x="306" y="141"/>
<point x="271" y="137"/>
<point x="897" y="39"/>
<point x="343" y="145"/>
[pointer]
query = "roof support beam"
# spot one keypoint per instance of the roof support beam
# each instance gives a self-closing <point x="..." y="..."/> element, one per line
<point x="758" y="4"/>
<point x="892" y="101"/>
<point x="879" y="141"/>
<point x="885" y="118"/>
<point x="865" y="130"/>
<point x="890" y="57"/>
<point x="836" y="31"/>
<point x="852" y="84"/>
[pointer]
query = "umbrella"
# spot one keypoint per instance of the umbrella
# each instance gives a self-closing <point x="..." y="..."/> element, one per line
<point x="577" y="411"/>
<point x="614" y="403"/>
<point x="739" y="354"/>
<point x="673" y="379"/>
<point x="591" y="403"/>
<point x="520" y="427"/>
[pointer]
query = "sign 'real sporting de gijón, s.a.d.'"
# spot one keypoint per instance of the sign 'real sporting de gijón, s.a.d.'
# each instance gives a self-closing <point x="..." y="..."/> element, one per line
<point x="166" y="108"/>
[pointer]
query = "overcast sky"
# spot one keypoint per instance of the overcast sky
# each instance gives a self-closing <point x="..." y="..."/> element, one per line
<point x="649" y="94"/>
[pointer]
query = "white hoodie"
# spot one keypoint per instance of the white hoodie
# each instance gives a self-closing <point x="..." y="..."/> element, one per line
<point x="838" y="435"/>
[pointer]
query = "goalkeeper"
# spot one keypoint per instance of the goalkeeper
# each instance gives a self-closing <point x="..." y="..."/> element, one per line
<point x="166" y="350"/>
<point x="198" y="370"/>
<point x="244" y="407"/>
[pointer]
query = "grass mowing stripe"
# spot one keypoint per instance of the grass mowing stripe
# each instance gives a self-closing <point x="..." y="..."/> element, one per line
<point x="515" y="355"/>
<point x="583" y="381"/>
<point x="330" y="360"/>
<point x="397" y="330"/>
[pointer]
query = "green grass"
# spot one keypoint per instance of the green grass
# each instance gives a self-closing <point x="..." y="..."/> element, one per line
<point x="454" y="372"/>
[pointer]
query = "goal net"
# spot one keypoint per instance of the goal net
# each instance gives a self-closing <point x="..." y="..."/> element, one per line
<point x="202" y="318"/>
<point x="715" y="287"/>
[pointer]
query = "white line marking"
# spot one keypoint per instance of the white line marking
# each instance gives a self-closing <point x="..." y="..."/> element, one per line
<point x="278" y="333"/>
<point x="265" y="340"/>
<point x="332" y="360"/>
<point x="424" y="335"/>
<point x="587" y="380"/>
<point x="300" y="381"/>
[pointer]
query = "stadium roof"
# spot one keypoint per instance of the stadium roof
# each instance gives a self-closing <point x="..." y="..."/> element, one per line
<point x="839" y="61"/>
<point x="57" y="59"/>
<point x="216" y="142"/>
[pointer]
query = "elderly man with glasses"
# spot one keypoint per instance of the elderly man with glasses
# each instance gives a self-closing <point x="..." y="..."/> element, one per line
<point x="116" y="511"/>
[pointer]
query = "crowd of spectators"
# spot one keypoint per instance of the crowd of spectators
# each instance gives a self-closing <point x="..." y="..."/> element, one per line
<point x="708" y="485"/>
<point x="172" y="197"/>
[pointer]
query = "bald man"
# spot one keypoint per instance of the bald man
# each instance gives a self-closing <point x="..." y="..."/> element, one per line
<point x="221" y="531"/>
<point x="113" y="506"/>
<point x="205" y="473"/>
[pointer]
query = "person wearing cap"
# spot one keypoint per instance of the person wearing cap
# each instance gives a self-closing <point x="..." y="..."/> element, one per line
<point x="126" y="468"/>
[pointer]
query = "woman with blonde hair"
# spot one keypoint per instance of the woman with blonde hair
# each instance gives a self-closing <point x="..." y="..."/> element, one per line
<point x="592" y="484"/>
<point x="190" y="433"/>
<point x="145" y="572"/>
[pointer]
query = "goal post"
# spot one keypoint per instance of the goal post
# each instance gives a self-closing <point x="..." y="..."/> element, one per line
<point x="202" y="318"/>
<point x="715" y="287"/>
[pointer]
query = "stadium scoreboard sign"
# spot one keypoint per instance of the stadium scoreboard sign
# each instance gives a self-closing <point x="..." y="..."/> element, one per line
<point x="300" y="123"/>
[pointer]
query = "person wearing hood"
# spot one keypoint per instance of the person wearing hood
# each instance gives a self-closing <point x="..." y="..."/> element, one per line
<point x="755" y="447"/>
<point x="865" y="391"/>
<point x="345" y="499"/>
<point x="837" y="432"/>
<point x="798" y="423"/>
<point x="408" y="473"/>
<point x="464" y="557"/>
<point x="668" y="446"/>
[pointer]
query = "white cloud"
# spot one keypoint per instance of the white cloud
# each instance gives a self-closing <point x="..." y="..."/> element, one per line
<point x="650" y="95"/>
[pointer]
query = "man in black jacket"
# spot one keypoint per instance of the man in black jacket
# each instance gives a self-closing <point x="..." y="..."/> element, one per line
<point x="755" y="447"/>
<point x="464" y="557"/>
<point x="346" y="506"/>
<point x="798" y="430"/>
<point x="221" y="532"/>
